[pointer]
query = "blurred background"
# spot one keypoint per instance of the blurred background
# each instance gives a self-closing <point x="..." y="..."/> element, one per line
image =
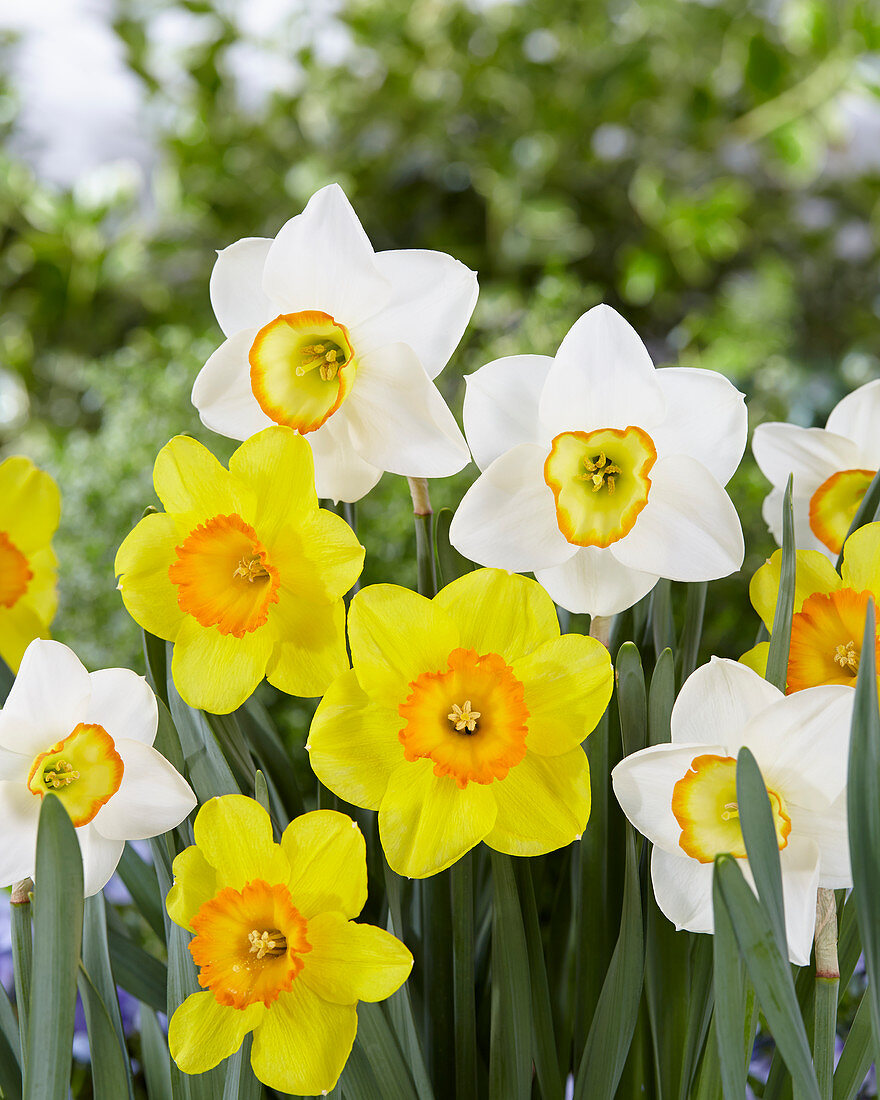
<point x="711" y="169"/>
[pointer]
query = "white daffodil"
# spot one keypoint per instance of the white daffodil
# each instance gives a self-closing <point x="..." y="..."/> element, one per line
<point x="87" y="739"/>
<point x="600" y="473"/>
<point x="832" y="468"/>
<point x="682" y="796"/>
<point x="340" y="342"/>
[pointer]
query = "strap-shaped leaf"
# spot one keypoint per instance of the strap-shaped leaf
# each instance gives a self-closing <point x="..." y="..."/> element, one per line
<point x="631" y="701"/>
<point x="110" y="1070"/>
<point x="731" y="1001"/>
<point x="510" y="1055"/>
<point x="450" y="564"/>
<point x="857" y="1054"/>
<point x="759" y="834"/>
<point x="241" y="1084"/>
<point x="661" y="697"/>
<point x="662" y="623"/>
<point x="138" y="972"/>
<point x="140" y="881"/>
<point x="96" y="972"/>
<point x="376" y="1039"/>
<point x="780" y="639"/>
<point x="155" y="1057"/>
<point x="692" y="630"/>
<point x="7" y="678"/>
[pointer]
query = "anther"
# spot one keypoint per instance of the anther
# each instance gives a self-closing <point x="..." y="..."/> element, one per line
<point x="600" y="471"/>
<point x="463" y="718"/>
<point x="730" y="810"/>
<point x="266" y="943"/>
<point x="251" y="569"/>
<point x="846" y="657"/>
<point x="62" y="775"/>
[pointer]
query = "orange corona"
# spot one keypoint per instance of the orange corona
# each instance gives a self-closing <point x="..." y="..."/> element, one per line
<point x="15" y="573"/>
<point x="84" y="770"/>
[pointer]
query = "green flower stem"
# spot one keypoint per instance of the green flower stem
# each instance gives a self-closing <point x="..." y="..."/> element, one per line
<point x="439" y="1003"/>
<point x="22" y="956"/>
<point x="423" y="515"/>
<point x="462" y="881"/>
<point x="827" y="980"/>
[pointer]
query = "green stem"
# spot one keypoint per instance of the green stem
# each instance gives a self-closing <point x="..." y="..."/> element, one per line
<point x="423" y="515"/>
<point x="22" y="957"/>
<point x="439" y="1002"/>
<point x="462" y="881"/>
<point x="827" y="981"/>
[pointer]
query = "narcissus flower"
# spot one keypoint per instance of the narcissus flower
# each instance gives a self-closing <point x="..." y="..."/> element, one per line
<point x="832" y="468"/>
<point x="243" y="571"/>
<point x="600" y="473"/>
<point x="277" y="950"/>
<point x="682" y="796"/>
<point x="87" y="739"/>
<point x="462" y="720"/>
<point x="29" y="509"/>
<point x="828" y="624"/>
<point x="341" y="343"/>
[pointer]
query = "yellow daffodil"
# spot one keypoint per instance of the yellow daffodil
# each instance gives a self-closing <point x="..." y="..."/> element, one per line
<point x="462" y="720"/>
<point x="243" y="571"/>
<point x="829" y="611"/>
<point x="277" y="950"/>
<point x="29" y="509"/>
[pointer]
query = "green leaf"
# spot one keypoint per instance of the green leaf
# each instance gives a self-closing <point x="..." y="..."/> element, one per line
<point x="450" y="564"/>
<point x="857" y="1054"/>
<point x="241" y="1083"/>
<point x="21" y="932"/>
<point x="110" y="1073"/>
<point x="867" y="512"/>
<point x="437" y="968"/>
<point x="617" y="1011"/>
<point x="96" y="971"/>
<point x="376" y="1039"/>
<point x="769" y="971"/>
<point x="692" y="631"/>
<point x="58" y="915"/>
<point x="780" y="637"/>
<point x="510" y="1052"/>
<point x="661" y="698"/>
<point x="762" y="847"/>
<point x="10" y="1070"/>
<point x="138" y="972"/>
<point x="461" y="876"/>
<point x="863" y="808"/>
<point x="167" y="741"/>
<point x="662" y="623"/>
<point x="234" y="747"/>
<point x="7" y="679"/>
<point x="275" y="762"/>
<point x="426" y="572"/>
<point x="731" y="1002"/>
<point x="631" y="702"/>
<point x="155" y="655"/>
<point x="155" y="1057"/>
<point x="140" y="881"/>
<point x="261" y="790"/>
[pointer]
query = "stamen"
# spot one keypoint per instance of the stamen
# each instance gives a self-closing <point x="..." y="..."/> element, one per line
<point x="600" y="471"/>
<point x="730" y="810"/>
<point x="252" y="569"/>
<point x="846" y="657"/>
<point x="267" y="943"/>
<point x="463" y="718"/>
<point x="62" y="775"/>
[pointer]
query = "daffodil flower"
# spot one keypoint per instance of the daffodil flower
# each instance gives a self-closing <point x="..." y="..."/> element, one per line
<point x="29" y="509"/>
<point x="682" y="796"/>
<point x="86" y="738"/>
<point x="828" y="624"/>
<point x="832" y="468"/>
<point x="462" y="720"/>
<point x="277" y="949"/>
<point x="341" y="343"/>
<point x="243" y="571"/>
<point x="600" y="473"/>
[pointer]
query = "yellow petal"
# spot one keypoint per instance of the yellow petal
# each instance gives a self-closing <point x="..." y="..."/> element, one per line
<point x="30" y="504"/>
<point x="353" y="962"/>
<point x="543" y="804"/>
<point x="813" y="573"/>
<point x="860" y="568"/>
<point x="309" y="649"/>
<point x="277" y="465"/>
<point x="42" y="591"/>
<point x="427" y="822"/>
<point x="303" y="1042"/>
<point x="319" y="554"/>
<point x="498" y="612"/>
<point x="234" y="834"/>
<point x="188" y="478"/>
<point x="395" y="636"/>
<point x="567" y="684"/>
<point x="328" y="863"/>
<point x="202" y="1032"/>
<point x="195" y="882"/>
<point x="756" y="658"/>
<point x="19" y="625"/>
<point x="142" y="564"/>
<point x="218" y="672"/>
<point x="353" y="743"/>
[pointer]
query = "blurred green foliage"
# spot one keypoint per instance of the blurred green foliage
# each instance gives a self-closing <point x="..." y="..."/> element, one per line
<point x="690" y="163"/>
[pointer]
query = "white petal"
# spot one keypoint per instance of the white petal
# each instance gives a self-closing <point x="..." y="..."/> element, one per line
<point x="340" y="472"/>
<point x="683" y="890"/>
<point x="804" y="539"/>
<point x="705" y="418"/>
<point x="643" y="784"/>
<point x="508" y="516"/>
<point x="828" y="828"/>
<point x="322" y="259"/>
<point x="856" y="417"/>
<point x="397" y="419"/>
<point x="594" y="582"/>
<point x="49" y="697"/>
<point x="151" y="799"/>
<point x="801" y="743"/>
<point x="124" y="704"/>
<point x="602" y="377"/>
<point x="688" y="530"/>
<point x="811" y="454"/>
<point x="19" y="814"/>
<point x="222" y="391"/>
<point x="100" y="858"/>
<point x="799" y="861"/>
<point x="501" y="406"/>
<point x="717" y="701"/>
<point x="237" y="286"/>
<point x="14" y="766"/>
<point x="432" y="299"/>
